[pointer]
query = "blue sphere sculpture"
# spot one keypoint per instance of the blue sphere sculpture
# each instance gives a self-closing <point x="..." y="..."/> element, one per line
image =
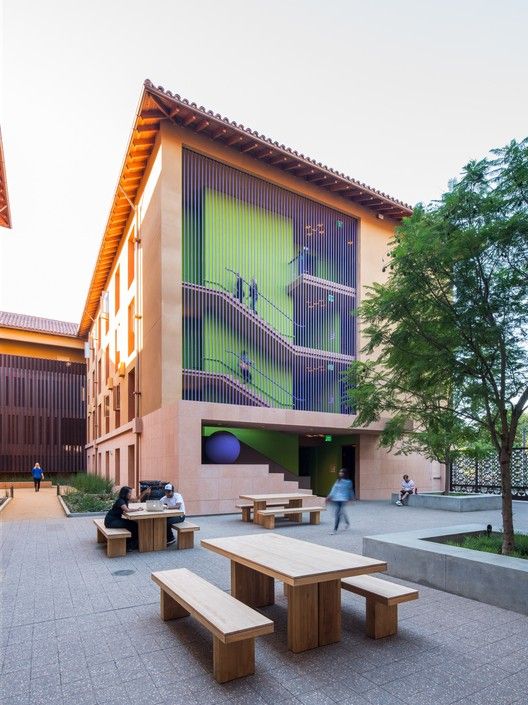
<point x="222" y="447"/>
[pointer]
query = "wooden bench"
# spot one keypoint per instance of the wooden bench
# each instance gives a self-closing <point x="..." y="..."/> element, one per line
<point x="185" y="531"/>
<point x="247" y="508"/>
<point x="233" y="624"/>
<point x="267" y="516"/>
<point x="115" y="539"/>
<point x="383" y="599"/>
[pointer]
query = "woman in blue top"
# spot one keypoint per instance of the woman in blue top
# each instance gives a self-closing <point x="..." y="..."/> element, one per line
<point x="38" y="475"/>
<point x="341" y="493"/>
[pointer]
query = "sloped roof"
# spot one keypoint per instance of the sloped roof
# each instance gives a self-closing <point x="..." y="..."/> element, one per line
<point x="21" y="321"/>
<point x="157" y="105"/>
<point x="5" y="213"/>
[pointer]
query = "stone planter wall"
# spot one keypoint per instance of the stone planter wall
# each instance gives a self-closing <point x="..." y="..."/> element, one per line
<point x="448" y="503"/>
<point x="412" y="555"/>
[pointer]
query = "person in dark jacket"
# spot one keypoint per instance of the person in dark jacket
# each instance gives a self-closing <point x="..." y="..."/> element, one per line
<point x="115" y="519"/>
<point x="253" y="294"/>
<point x="240" y="288"/>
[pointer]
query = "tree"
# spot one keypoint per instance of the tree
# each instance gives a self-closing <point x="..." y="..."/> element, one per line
<point x="446" y="351"/>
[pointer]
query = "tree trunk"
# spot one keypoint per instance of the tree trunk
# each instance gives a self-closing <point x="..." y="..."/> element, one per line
<point x="447" y="476"/>
<point x="507" y="507"/>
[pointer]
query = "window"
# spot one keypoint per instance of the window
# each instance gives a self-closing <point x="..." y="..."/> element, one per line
<point x="107" y="363"/>
<point x="117" y="469"/>
<point x="131" y="398"/>
<point x="117" y="291"/>
<point x="116" y="402"/>
<point x="131" y="262"/>
<point x="131" y="327"/>
<point x="116" y="349"/>
<point x="107" y="413"/>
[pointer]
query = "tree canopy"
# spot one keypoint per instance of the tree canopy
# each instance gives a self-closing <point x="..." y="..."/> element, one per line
<point x="446" y="354"/>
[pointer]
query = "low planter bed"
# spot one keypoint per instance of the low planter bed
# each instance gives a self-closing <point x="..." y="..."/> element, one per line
<point x="423" y="556"/>
<point x="79" y="504"/>
<point x="453" y="503"/>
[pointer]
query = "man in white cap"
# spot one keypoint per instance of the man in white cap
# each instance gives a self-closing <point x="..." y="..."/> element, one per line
<point x="173" y="500"/>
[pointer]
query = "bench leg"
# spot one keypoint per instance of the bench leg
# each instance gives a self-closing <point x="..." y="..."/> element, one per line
<point x="268" y="522"/>
<point x="382" y="620"/>
<point x="185" y="539"/>
<point x="257" y="506"/>
<point x="101" y="538"/>
<point x="329" y="612"/>
<point x="291" y="504"/>
<point x="303" y="617"/>
<point x="116" y="547"/>
<point x="246" y="513"/>
<point x="251" y="587"/>
<point x="315" y="517"/>
<point x="234" y="660"/>
<point x="169" y="608"/>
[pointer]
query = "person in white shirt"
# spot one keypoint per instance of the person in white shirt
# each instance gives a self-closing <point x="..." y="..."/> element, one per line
<point x="173" y="500"/>
<point x="407" y="488"/>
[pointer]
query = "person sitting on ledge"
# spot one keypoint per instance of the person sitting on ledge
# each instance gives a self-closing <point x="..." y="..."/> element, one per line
<point x="407" y="488"/>
<point x="173" y="500"/>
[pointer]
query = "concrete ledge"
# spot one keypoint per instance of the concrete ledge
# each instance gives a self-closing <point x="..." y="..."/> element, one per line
<point x="73" y="515"/>
<point x="494" y="579"/>
<point x="5" y="503"/>
<point x="448" y="503"/>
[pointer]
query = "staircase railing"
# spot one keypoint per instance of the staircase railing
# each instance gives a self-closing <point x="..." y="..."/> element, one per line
<point x="262" y="374"/>
<point x="236" y="374"/>
<point x="261" y="296"/>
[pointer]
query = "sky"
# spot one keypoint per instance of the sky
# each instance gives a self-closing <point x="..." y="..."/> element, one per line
<point x="399" y="94"/>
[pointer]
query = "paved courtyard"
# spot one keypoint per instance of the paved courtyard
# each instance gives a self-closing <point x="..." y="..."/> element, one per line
<point x="77" y="630"/>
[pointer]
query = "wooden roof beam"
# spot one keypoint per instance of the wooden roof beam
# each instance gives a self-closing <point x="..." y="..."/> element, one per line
<point x="147" y="128"/>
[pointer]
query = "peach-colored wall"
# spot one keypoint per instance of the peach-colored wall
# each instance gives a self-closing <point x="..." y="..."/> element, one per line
<point x="381" y="472"/>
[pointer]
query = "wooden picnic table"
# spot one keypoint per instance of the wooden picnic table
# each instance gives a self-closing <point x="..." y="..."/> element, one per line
<point x="152" y="526"/>
<point x="312" y="574"/>
<point x="290" y="499"/>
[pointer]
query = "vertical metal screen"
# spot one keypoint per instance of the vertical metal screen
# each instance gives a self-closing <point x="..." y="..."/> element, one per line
<point x="269" y="290"/>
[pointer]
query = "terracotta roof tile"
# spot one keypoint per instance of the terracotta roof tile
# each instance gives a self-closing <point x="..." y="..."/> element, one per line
<point x="37" y="324"/>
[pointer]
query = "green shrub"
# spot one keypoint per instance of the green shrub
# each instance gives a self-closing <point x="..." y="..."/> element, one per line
<point x="493" y="544"/>
<point x="91" y="484"/>
<point x="81" y="502"/>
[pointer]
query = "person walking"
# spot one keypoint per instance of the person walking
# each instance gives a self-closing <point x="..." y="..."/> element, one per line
<point x="253" y="294"/>
<point x="38" y="475"/>
<point x="341" y="493"/>
<point x="239" y="288"/>
<point x="245" y="367"/>
<point x="114" y="518"/>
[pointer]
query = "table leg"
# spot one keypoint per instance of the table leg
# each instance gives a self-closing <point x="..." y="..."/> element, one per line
<point x="257" y="506"/>
<point x="303" y="617"/>
<point x="329" y="612"/>
<point x="251" y="587"/>
<point x="146" y="535"/>
<point x="159" y="534"/>
<point x="295" y="503"/>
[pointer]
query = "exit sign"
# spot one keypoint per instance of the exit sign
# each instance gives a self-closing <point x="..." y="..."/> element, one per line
<point x="328" y="439"/>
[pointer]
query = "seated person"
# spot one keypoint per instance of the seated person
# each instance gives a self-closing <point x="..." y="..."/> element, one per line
<point x="173" y="500"/>
<point x="115" y="520"/>
<point x="407" y="488"/>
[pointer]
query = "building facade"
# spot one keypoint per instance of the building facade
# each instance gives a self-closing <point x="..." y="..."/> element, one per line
<point x="223" y="298"/>
<point x="42" y="395"/>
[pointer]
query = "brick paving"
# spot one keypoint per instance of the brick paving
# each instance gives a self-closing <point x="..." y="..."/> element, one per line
<point x="74" y="630"/>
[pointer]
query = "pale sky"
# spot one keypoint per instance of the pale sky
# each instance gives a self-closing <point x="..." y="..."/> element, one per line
<point x="396" y="93"/>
